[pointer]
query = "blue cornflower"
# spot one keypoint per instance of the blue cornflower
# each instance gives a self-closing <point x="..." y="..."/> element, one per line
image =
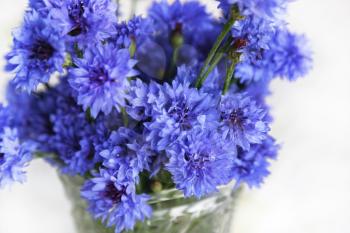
<point x="126" y="153"/>
<point x="101" y="78"/>
<point x="21" y="105"/>
<point x="14" y="157"/>
<point x="286" y="56"/>
<point x="177" y="109"/>
<point x="242" y="121"/>
<point x="71" y="137"/>
<point x="200" y="162"/>
<point x="142" y="96"/>
<point x="252" y="37"/>
<point x="39" y="107"/>
<point x="137" y="29"/>
<point x="171" y="17"/>
<point x="197" y="27"/>
<point x="84" y="21"/>
<point x="251" y="166"/>
<point x="268" y="9"/>
<point x="72" y="142"/>
<point x="38" y="51"/>
<point x="289" y="56"/>
<point x="56" y="124"/>
<point x="117" y="205"/>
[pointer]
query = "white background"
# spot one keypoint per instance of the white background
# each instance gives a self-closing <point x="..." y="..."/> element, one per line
<point x="309" y="189"/>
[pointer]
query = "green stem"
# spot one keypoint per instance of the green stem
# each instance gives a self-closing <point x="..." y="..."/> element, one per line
<point x="212" y="66"/>
<point x="175" y="57"/>
<point x="90" y="119"/>
<point x="68" y="61"/>
<point x="173" y="66"/>
<point x="77" y="51"/>
<point x="132" y="48"/>
<point x="218" y="57"/>
<point x="212" y="53"/>
<point x="125" y="117"/>
<point x="229" y="74"/>
<point x="177" y="41"/>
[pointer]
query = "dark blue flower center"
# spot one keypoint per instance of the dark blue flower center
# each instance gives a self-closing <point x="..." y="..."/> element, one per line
<point x="181" y="114"/>
<point x="235" y="117"/>
<point x="99" y="76"/>
<point x="42" y="50"/>
<point x="112" y="193"/>
<point x="196" y="161"/>
<point x="75" y="12"/>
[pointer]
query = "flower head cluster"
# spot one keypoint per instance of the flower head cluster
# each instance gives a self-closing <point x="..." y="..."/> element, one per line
<point x="38" y="51"/>
<point x="242" y="121"/>
<point x="14" y="157"/>
<point x="124" y="152"/>
<point x="282" y="54"/>
<point x="259" y="39"/>
<point x="71" y="137"/>
<point x="200" y="162"/>
<point x="252" y="37"/>
<point x="176" y="109"/>
<point x="80" y="21"/>
<point x="174" y="99"/>
<point x="111" y="193"/>
<point x="251" y="166"/>
<point x="39" y="107"/>
<point x="14" y="154"/>
<point x="136" y="30"/>
<point x="117" y="205"/>
<point x="175" y="23"/>
<point x="289" y="55"/>
<point x="101" y="78"/>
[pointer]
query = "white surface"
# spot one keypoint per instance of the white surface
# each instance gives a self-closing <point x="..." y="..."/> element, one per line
<point x="309" y="189"/>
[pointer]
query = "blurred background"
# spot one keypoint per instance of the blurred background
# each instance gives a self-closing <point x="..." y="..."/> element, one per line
<point x="309" y="189"/>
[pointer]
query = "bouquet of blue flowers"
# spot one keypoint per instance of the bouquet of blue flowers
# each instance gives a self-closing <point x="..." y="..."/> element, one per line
<point x="172" y="99"/>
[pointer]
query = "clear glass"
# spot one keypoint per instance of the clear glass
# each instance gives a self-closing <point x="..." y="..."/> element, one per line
<point x="172" y="213"/>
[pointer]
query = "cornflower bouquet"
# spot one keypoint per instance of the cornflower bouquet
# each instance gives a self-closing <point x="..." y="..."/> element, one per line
<point x="172" y="99"/>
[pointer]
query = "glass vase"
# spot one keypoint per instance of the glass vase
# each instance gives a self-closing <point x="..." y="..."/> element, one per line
<point x="172" y="213"/>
